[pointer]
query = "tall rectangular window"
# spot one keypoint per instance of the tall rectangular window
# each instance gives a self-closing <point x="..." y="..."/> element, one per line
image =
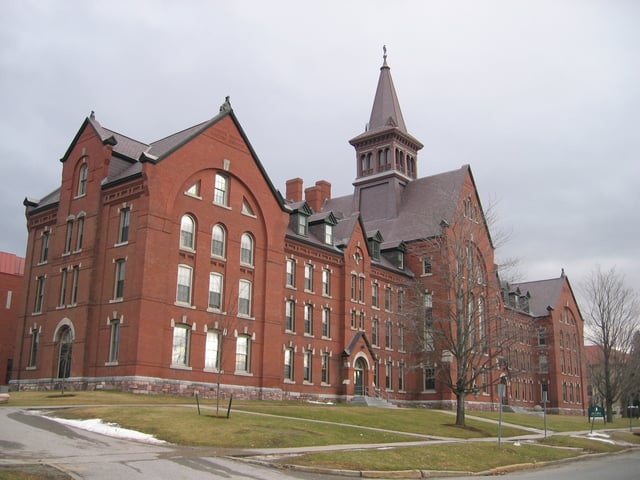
<point x="387" y="379"/>
<point x="74" y="284"/>
<point x="361" y="325"/>
<point x="288" y="364"/>
<point x="400" y="301"/>
<point x="118" y="287"/>
<point x="308" y="319"/>
<point x="243" y="350"/>
<point x="353" y="319"/>
<point x="290" y="279"/>
<point x="542" y="359"/>
<point x="401" y="337"/>
<point x="374" y="331"/>
<point x="180" y="347"/>
<point x="401" y="377"/>
<point x="326" y="283"/>
<point x="37" y="308"/>
<point x="221" y="190"/>
<point x="429" y="378"/>
<point x="308" y="277"/>
<point x="289" y="315"/>
<point x="183" y="291"/>
<point x="326" y="322"/>
<point x="324" y="364"/>
<point x="63" y="288"/>
<point x="212" y="350"/>
<point x="123" y="227"/>
<point x="388" y="335"/>
<point x="244" y="298"/>
<point x="387" y="299"/>
<point x="69" y="236"/>
<point x="302" y="224"/>
<point x="33" y="353"/>
<point x="374" y="295"/>
<point x="306" y="366"/>
<point x="79" y="233"/>
<point x="361" y="291"/>
<point x="215" y="291"/>
<point x="428" y="322"/>
<point x="44" y="250"/>
<point x="114" y="340"/>
<point x="82" y="180"/>
<point x="353" y="287"/>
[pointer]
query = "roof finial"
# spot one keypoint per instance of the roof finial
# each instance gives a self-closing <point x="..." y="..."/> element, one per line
<point x="226" y="106"/>
<point x="92" y="115"/>
<point x="384" y="54"/>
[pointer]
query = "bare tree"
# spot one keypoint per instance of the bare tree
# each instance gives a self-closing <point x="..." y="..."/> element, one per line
<point x="611" y="321"/>
<point x="457" y="329"/>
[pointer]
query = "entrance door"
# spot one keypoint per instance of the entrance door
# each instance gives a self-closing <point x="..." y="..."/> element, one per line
<point x="358" y="377"/>
<point x="64" y="357"/>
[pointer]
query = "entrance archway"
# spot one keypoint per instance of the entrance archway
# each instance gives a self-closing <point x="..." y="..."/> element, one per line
<point x="65" y="339"/>
<point x="359" y="376"/>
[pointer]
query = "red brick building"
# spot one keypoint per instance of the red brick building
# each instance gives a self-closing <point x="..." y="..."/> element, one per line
<point x="177" y="265"/>
<point x="11" y="279"/>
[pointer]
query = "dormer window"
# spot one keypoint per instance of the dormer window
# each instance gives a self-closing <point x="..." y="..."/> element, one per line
<point x="400" y="260"/>
<point x="302" y="224"/>
<point x="328" y="234"/>
<point x="374" y="247"/>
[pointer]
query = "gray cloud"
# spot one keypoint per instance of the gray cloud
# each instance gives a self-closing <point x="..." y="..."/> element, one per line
<point x="540" y="97"/>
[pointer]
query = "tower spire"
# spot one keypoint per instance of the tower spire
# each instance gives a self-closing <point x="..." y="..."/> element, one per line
<point x="386" y="112"/>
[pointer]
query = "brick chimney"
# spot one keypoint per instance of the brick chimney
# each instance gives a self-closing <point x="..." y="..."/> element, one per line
<point x="316" y="195"/>
<point x="294" y="190"/>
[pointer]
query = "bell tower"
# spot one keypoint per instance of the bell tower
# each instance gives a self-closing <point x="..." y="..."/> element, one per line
<point x="386" y="154"/>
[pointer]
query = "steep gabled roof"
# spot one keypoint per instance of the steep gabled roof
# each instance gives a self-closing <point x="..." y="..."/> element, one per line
<point x="544" y="294"/>
<point x="425" y="203"/>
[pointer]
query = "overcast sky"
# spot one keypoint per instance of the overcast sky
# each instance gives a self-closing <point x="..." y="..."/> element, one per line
<point x="541" y="98"/>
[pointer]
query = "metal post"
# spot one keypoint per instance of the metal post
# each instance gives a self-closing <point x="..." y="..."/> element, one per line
<point x="501" y="388"/>
<point x="544" y="403"/>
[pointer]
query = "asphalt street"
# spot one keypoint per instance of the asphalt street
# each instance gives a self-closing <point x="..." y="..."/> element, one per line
<point x="29" y="438"/>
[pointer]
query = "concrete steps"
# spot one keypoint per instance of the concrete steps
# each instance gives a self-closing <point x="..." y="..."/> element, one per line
<point x="372" y="402"/>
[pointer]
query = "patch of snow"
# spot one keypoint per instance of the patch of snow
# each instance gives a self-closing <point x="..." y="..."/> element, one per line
<point x="316" y="402"/>
<point x="109" y="429"/>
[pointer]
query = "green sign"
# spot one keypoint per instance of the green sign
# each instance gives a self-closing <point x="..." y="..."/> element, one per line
<point x="596" y="412"/>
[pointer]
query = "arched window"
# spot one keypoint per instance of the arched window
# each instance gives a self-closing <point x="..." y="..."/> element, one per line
<point x="82" y="180"/>
<point x="218" y="236"/>
<point x="187" y="232"/>
<point x="246" y="249"/>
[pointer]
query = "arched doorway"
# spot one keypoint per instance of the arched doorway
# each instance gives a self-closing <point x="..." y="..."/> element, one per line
<point x="359" y="376"/>
<point x="65" y="339"/>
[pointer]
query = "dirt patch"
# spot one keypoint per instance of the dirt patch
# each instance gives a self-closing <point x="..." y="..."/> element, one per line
<point x="32" y="472"/>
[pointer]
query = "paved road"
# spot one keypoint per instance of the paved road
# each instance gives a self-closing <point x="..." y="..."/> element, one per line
<point x="27" y="438"/>
<point x="625" y="466"/>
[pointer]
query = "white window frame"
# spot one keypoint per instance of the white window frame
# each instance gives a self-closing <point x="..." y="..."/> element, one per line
<point x="221" y="190"/>
<point x="185" y="273"/>
<point x="218" y="245"/>
<point x="216" y="287"/>
<point x="244" y="298"/>
<point x="181" y="345"/>
<point x="212" y="350"/>
<point x="247" y="249"/>
<point x="187" y="232"/>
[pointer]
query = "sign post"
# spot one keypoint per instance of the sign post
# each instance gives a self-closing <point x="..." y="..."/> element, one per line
<point x="545" y="398"/>
<point x="595" y="412"/>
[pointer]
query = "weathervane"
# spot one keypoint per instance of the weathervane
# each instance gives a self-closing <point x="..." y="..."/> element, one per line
<point x="384" y="51"/>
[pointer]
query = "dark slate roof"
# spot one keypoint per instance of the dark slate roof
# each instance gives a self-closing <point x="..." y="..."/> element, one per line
<point x="544" y="293"/>
<point x="425" y="203"/>
<point x="386" y="107"/>
<point x="168" y="144"/>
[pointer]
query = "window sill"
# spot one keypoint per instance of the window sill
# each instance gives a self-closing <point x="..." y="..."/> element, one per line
<point x="42" y="263"/>
<point x="184" y="305"/>
<point x="111" y="364"/>
<point x="61" y="307"/>
<point x="215" y="310"/>
<point x="218" y="258"/>
<point x="290" y="332"/>
<point x="31" y="368"/>
<point x="79" y="250"/>
<point x="192" y="195"/>
<point x="307" y="382"/>
<point x="36" y="314"/>
<point x="323" y="384"/>
<point x="221" y="205"/>
<point x="187" y="249"/>
<point x="116" y="300"/>
<point x="121" y="244"/>
<point x="244" y="316"/>
<point x="291" y="287"/>
<point x="289" y="382"/>
<point x="212" y="370"/>
<point x="180" y="367"/>
<point x="242" y="373"/>
<point x="309" y="335"/>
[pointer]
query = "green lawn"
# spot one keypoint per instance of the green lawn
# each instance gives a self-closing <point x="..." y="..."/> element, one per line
<point x="557" y="423"/>
<point x="465" y="457"/>
<point x="285" y="424"/>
